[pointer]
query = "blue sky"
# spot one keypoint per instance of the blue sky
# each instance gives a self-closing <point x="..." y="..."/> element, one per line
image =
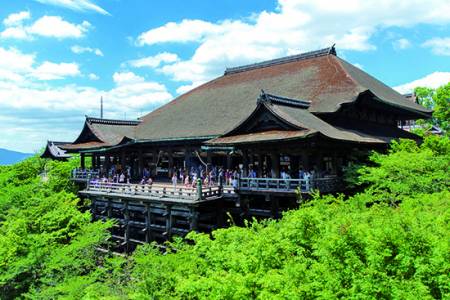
<point x="58" y="57"/>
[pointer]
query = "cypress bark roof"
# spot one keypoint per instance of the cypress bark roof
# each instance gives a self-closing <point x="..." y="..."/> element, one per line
<point x="214" y="108"/>
<point x="53" y="150"/>
<point x="98" y="133"/>
<point x="305" y="124"/>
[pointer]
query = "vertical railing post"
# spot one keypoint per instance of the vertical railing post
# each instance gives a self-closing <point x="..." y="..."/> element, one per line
<point x="88" y="184"/>
<point x="199" y="189"/>
<point x="220" y="185"/>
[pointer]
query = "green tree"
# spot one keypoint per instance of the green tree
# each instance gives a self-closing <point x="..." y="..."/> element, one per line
<point x="438" y="100"/>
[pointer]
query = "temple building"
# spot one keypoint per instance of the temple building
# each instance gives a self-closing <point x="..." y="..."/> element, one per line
<point x="309" y="110"/>
<point x="312" y="112"/>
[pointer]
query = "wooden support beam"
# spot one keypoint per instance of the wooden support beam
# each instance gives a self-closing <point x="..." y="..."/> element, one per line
<point x="187" y="159"/>
<point x="245" y="162"/>
<point x="107" y="164"/>
<point x="275" y="160"/>
<point x="154" y="161"/>
<point x="148" y="224"/>
<point x="229" y="161"/>
<point x="126" y="214"/>
<point x="82" y="161"/>
<point x="220" y="212"/>
<point x="122" y="160"/>
<point x="140" y="163"/>
<point x="170" y="159"/>
<point x="260" y="165"/>
<point x="275" y="207"/>
<point x="169" y="220"/>
<point x="193" y="219"/>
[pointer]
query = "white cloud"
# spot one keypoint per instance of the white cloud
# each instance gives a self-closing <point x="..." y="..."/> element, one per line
<point x="79" y="50"/>
<point x="47" y="26"/>
<point x="121" y="78"/>
<point x="15" y="61"/>
<point x="433" y="80"/>
<point x="154" y="61"/>
<point x="52" y="71"/>
<point x="21" y="68"/>
<point x="295" y="26"/>
<point x="186" y="88"/>
<point x="33" y="111"/>
<point x="93" y="76"/>
<point x="55" y="26"/>
<point x="439" y="46"/>
<point x="359" y="66"/>
<point x="18" y="33"/>
<point x="401" y="44"/>
<point x="186" y="31"/>
<point x="77" y="5"/>
<point x="16" y="18"/>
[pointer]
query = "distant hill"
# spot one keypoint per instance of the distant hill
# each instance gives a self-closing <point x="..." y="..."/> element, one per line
<point x="9" y="157"/>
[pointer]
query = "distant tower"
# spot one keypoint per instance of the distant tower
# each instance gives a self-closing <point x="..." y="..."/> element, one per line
<point x="101" y="107"/>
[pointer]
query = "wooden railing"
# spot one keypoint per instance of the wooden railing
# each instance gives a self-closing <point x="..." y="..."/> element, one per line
<point x="155" y="190"/>
<point x="84" y="175"/>
<point x="327" y="184"/>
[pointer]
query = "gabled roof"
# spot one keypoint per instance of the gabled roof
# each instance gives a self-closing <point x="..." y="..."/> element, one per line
<point x="303" y="124"/>
<point x="103" y="132"/>
<point x="214" y="108"/>
<point x="53" y="151"/>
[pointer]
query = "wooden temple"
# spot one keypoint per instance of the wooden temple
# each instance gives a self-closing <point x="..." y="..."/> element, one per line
<point x="268" y="123"/>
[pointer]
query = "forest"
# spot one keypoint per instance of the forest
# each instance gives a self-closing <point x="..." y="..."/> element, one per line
<point x="388" y="240"/>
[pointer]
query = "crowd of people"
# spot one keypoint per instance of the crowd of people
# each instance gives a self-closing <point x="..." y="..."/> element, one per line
<point x="208" y="176"/>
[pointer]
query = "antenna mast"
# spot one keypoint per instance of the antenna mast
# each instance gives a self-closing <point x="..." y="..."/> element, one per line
<point x="101" y="107"/>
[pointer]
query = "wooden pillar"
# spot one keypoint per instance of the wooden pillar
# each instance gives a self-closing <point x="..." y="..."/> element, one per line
<point x="154" y="161"/>
<point x="251" y="159"/>
<point x="187" y="159"/>
<point x="229" y="161"/>
<point x="109" y="209"/>
<point x="275" y="160"/>
<point x="168" y="215"/>
<point x="294" y="165"/>
<point x="140" y="164"/>
<point x="98" y="161"/>
<point x="193" y="219"/>
<point x="93" y="161"/>
<point x="170" y="159"/>
<point x="260" y="164"/>
<point x="220" y="213"/>
<point x="319" y="161"/>
<point x="305" y="161"/>
<point x="82" y="161"/>
<point x="122" y="160"/>
<point x="107" y="164"/>
<point x="245" y="162"/>
<point x="274" y="207"/>
<point x="148" y="223"/>
<point x="126" y="215"/>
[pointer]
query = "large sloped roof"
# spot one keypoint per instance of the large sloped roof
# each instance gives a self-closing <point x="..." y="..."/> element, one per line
<point x="217" y="106"/>
<point x="103" y="133"/>
<point x="305" y="124"/>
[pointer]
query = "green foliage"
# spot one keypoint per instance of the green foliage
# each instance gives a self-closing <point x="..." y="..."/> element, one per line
<point x="44" y="237"/>
<point x="439" y="101"/>
<point x="409" y="169"/>
<point x="331" y="247"/>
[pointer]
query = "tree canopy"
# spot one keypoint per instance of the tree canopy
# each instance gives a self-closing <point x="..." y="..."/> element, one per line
<point x="438" y="100"/>
<point x="389" y="241"/>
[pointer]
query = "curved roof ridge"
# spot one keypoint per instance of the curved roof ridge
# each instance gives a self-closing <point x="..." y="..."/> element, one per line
<point x="112" y="121"/>
<point x="282" y="60"/>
